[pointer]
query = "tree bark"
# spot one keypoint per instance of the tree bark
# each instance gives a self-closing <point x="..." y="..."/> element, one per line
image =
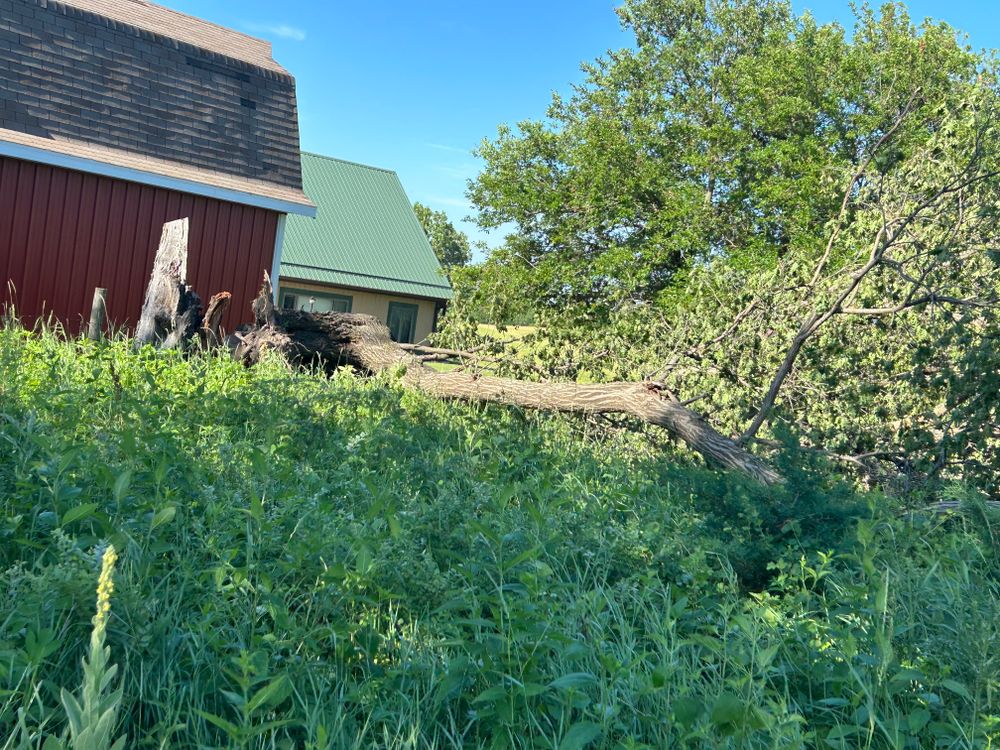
<point x="211" y="326"/>
<point x="171" y="313"/>
<point x="330" y="340"/>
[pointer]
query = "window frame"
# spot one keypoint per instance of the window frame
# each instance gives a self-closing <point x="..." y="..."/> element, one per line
<point x="346" y="298"/>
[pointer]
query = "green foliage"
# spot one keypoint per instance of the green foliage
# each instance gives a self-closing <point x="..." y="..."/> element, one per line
<point x="341" y="563"/>
<point x="704" y="196"/>
<point x="730" y="131"/>
<point x="450" y="245"/>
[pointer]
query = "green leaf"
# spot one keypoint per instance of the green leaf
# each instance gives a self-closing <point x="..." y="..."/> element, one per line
<point x="833" y="702"/>
<point x="228" y="726"/>
<point x="660" y="676"/>
<point x="80" y="511"/>
<point x="475" y="622"/>
<point x="267" y="727"/>
<point x="448" y="687"/>
<point x="580" y="735"/>
<point x="363" y="561"/>
<point x="841" y="731"/>
<point x="395" y="527"/>
<point x="918" y="719"/>
<point x="530" y="689"/>
<point x="678" y="607"/>
<point x="687" y="709"/>
<point x="574" y="680"/>
<point x="497" y="692"/>
<point x="163" y="516"/>
<point x="957" y="688"/>
<point x="909" y="675"/>
<point x="712" y="644"/>
<point x="122" y="484"/>
<point x="766" y="656"/>
<point x="74" y="712"/>
<point x="271" y="694"/>
<point x="526" y="555"/>
<point x="256" y="509"/>
<point x="728" y="709"/>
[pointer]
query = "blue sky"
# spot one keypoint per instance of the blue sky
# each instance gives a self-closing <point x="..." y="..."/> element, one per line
<point x="415" y="86"/>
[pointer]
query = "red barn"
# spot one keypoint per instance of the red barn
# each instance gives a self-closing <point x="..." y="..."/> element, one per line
<point x="119" y="115"/>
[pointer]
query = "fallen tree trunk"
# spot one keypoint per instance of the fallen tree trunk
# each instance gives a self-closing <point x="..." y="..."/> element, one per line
<point x="172" y="316"/>
<point x="331" y="340"/>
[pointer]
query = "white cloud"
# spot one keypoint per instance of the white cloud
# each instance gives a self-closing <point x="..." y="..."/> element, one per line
<point x="445" y="201"/>
<point x="457" y="172"/>
<point x="282" y="30"/>
<point x="452" y="149"/>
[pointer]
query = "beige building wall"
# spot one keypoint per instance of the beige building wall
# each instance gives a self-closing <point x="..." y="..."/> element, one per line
<point x="370" y="303"/>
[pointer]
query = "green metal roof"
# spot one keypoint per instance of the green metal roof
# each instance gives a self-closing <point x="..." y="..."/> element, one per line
<point x="365" y="233"/>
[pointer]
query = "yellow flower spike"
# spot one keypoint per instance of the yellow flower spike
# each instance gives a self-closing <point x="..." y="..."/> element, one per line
<point x="105" y="588"/>
<point x="92" y="713"/>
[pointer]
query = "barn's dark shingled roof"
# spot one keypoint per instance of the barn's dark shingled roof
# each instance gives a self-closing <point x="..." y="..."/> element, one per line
<point x="184" y="28"/>
<point x="137" y="85"/>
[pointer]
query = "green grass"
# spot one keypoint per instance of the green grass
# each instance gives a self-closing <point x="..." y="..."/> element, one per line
<point x="339" y="563"/>
<point x="512" y="336"/>
<point x="508" y="333"/>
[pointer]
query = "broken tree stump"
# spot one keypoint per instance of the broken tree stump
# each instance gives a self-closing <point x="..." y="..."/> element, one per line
<point x="171" y="313"/>
<point x="211" y="327"/>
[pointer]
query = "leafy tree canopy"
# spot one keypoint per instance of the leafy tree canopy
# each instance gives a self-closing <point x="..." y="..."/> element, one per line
<point x="778" y="220"/>
<point x="451" y="246"/>
<point x="729" y="131"/>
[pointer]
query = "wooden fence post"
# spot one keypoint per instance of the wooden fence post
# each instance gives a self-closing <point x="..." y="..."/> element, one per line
<point x="98" y="314"/>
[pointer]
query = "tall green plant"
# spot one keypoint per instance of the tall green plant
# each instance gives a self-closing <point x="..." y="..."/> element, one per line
<point x="93" y="714"/>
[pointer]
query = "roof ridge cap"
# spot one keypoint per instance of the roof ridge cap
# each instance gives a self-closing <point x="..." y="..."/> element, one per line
<point x="199" y="19"/>
<point x="348" y="161"/>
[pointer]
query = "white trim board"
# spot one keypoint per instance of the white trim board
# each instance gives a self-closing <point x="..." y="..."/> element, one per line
<point x="93" y="166"/>
<point x="279" y="239"/>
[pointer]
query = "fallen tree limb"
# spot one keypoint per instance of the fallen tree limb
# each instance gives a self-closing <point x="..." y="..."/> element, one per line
<point x="331" y="340"/>
<point x="956" y="506"/>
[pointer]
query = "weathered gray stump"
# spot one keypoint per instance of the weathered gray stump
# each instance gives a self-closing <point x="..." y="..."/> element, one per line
<point x="171" y="313"/>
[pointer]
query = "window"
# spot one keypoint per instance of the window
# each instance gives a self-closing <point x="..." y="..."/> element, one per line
<point x="402" y="322"/>
<point x="300" y="299"/>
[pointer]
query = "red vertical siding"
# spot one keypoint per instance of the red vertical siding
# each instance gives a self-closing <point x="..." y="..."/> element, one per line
<point x="62" y="233"/>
